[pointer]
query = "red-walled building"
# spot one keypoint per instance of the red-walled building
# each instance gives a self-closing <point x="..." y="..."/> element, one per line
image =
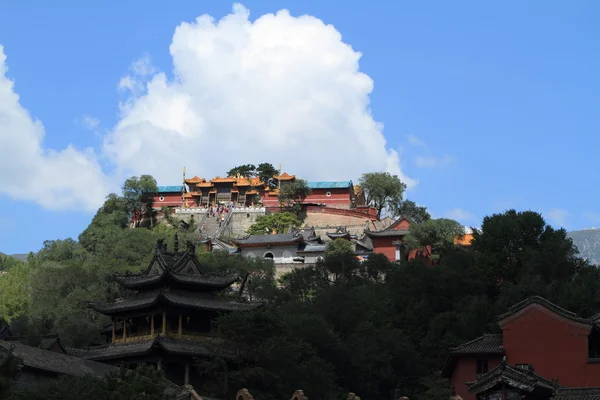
<point x="389" y="240"/>
<point x="198" y="192"/>
<point x="543" y="351"/>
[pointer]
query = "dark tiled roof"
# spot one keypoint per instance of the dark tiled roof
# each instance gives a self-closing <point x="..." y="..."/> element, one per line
<point x="33" y="357"/>
<point x="365" y="242"/>
<point x="592" y="393"/>
<point x="547" y="304"/>
<point x="270" y="239"/>
<point x="514" y="377"/>
<point x="215" y="281"/>
<point x="131" y="349"/>
<point x="486" y="344"/>
<point x="180" y="298"/>
<point x="387" y="233"/>
<point x="45" y="341"/>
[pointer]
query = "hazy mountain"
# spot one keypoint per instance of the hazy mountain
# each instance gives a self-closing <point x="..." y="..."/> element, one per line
<point x="588" y="243"/>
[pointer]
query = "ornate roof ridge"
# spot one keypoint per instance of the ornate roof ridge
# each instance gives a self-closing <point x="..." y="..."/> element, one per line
<point x="547" y="304"/>
<point x="478" y="339"/>
<point x="527" y="378"/>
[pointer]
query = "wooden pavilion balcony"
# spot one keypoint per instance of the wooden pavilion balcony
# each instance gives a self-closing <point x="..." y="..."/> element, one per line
<point x="175" y="334"/>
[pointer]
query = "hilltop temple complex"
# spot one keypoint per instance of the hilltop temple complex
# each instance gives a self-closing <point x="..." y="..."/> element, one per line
<point x="241" y="191"/>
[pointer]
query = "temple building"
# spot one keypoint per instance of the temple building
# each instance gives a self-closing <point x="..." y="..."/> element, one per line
<point x="167" y="321"/>
<point x="241" y="191"/>
<point x="543" y="352"/>
<point x="389" y="241"/>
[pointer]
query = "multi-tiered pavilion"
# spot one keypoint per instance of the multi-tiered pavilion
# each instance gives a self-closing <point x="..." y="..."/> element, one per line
<point x="167" y="320"/>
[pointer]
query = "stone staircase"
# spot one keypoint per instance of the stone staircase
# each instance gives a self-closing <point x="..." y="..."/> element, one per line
<point x="211" y="226"/>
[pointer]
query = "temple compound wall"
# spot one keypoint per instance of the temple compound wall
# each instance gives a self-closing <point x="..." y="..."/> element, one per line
<point x="240" y="222"/>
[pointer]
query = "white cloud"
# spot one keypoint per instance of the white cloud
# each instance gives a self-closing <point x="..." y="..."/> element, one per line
<point x="90" y="123"/>
<point x="460" y="215"/>
<point x="281" y="89"/>
<point x="432" y="162"/>
<point x="415" y="141"/>
<point x="558" y="216"/>
<point x="65" y="179"/>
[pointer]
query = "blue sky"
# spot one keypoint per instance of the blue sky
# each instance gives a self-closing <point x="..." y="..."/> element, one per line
<point x="489" y="106"/>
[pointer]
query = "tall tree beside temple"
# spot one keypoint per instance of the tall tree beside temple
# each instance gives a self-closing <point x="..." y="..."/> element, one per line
<point x="382" y="190"/>
<point x="138" y="193"/>
<point x="266" y="172"/>
<point x="246" y="171"/>
<point x="434" y="237"/>
<point x="295" y="191"/>
<point x="409" y="209"/>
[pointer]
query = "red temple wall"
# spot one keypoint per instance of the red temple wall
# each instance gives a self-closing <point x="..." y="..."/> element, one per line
<point x="170" y="199"/>
<point x="338" y="198"/>
<point x="383" y="245"/>
<point x="466" y="371"/>
<point x="555" y="346"/>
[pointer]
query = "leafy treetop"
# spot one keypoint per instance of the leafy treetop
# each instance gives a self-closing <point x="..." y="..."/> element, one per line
<point x="409" y="209"/>
<point x="275" y="222"/>
<point x="382" y="190"/>
<point x="295" y="191"/>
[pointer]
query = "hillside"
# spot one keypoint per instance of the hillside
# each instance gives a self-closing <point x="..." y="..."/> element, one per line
<point x="588" y="243"/>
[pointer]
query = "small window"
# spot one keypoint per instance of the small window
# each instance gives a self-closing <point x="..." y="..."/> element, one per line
<point x="161" y="198"/>
<point x="269" y="256"/>
<point x="328" y="194"/>
<point x="482" y="366"/>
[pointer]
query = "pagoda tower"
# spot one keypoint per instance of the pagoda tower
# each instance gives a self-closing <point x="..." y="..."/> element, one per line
<point x="167" y="320"/>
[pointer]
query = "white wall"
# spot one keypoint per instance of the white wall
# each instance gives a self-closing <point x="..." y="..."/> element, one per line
<point x="281" y="254"/>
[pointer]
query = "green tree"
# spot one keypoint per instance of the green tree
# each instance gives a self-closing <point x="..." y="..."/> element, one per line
<point x="15" y="292"/>
<point x="294" y="192"/>
<point x="142" y="383"/>
<point x="265" y="173"/>
<point x="409" y="209"/>
<point x="246" y="170"/>
<point x="275" y="222"/>
<point x="138" y="193"/>
<point x="382" y="190"/>
<point x="434" y="237"/>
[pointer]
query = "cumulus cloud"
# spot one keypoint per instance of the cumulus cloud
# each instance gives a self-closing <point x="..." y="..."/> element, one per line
<point x="64" y="179"/>
<point x="460" y="215"/>
<point x="432" y="162"/>
<point x="281" y="89"/>
<point x="558" y="216"/>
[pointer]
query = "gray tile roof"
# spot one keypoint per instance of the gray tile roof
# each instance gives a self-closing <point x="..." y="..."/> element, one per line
<point x="523" y="380"/>
<point x="486" y="344"/>
<point x="592" y="393"/>
<point x="547" y="304"/>
<point x="313" y="248"/>
<point x="131" y="349"/>
<point x="270" y="239"/>
<point x="387" y="233"/>
<point x="212" y="281"/>
<point x="50" y="361"/>
<point x="180" y="298"/>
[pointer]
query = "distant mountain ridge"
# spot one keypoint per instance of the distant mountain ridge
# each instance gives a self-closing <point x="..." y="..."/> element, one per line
<point x="588" y="243"/>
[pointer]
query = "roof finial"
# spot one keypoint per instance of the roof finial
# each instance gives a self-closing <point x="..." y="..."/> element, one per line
<point x="159" y="245"/>
<point x="176" y="242"/>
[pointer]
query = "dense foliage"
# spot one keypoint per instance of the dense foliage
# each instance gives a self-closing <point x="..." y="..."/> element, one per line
<point x="264" y="171"/>
<point x="143" y="383"/>
<point x="342" y="325"/>
<point x="274" y="223"/>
